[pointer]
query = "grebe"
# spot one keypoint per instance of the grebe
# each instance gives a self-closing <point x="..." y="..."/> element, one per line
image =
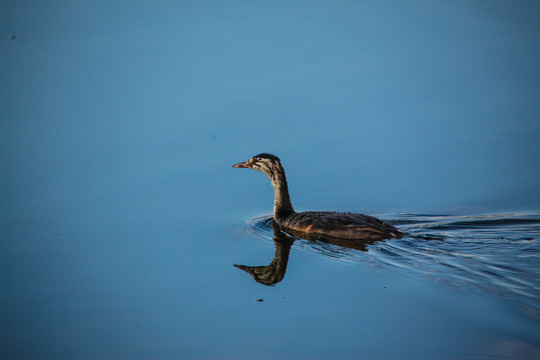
<point x="324" y="223"/>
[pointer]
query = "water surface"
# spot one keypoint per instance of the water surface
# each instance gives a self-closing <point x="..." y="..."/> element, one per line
<point x="121" y="218"/>
<point x="496" y="254"/>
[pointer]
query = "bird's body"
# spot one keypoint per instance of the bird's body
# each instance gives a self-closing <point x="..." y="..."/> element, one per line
<point x="340" y="225"/>
<point x="324" y="223"/>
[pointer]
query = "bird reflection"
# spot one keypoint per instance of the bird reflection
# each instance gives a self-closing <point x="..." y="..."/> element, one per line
<point x="274" y="272"/>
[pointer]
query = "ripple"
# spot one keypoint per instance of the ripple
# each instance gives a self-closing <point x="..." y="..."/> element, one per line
<point x="493" y="253"/>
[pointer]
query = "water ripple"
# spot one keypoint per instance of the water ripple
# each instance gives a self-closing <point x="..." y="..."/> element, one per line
<point x="494" y="253"/>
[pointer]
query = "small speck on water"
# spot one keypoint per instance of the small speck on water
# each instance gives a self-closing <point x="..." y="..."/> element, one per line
<point x="259" y="300"/>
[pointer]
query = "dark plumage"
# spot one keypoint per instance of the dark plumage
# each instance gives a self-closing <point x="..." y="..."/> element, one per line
<point x="324" y="223"/>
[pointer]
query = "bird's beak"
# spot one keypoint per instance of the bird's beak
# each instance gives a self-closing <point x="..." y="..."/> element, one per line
<point x="242" y="165"/>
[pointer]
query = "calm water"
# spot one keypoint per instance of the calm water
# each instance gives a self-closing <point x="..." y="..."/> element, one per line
<point x="121" y="219"/>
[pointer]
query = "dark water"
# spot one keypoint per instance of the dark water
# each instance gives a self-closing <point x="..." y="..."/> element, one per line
<point x="121" y="218"/>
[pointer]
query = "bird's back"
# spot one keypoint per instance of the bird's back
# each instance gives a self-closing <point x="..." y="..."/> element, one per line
<point x="340" y="225"/>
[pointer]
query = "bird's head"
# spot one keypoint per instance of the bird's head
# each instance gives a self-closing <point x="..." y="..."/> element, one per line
<point x="267" y="163"/>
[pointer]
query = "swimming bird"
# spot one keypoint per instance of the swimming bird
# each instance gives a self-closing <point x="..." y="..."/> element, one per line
<point x="342" y="225"/>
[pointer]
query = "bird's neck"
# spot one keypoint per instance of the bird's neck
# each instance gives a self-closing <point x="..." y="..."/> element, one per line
<point x="282" y="201"/>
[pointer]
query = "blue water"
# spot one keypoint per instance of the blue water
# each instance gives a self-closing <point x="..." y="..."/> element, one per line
<point x="121" y="218"/>
<point x="495" y="254"/>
